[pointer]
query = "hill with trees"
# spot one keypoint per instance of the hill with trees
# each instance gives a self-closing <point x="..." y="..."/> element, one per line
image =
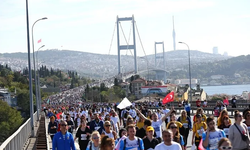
<point x="237" y="65"/>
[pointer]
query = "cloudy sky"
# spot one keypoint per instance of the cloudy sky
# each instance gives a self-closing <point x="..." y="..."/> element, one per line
<point x="88" y="25"/>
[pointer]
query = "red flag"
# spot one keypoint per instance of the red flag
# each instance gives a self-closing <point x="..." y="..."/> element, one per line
<point x="168" y="98"/>
<point x="39" y="41"/>
<point x="200" y="147"/>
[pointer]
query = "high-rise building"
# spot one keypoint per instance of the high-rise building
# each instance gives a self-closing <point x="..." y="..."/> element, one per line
<point x="225" y="54"/>
<point x="174" y="46"/>
<point x="215" y="50"/>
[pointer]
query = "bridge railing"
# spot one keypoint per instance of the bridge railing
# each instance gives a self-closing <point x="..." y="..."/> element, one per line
<point x="17" y="140"/>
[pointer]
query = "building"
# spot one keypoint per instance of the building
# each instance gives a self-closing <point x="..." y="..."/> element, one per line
<point x="136" y="87"/>
<point x="183" y="82"/>
<point x="5" y="96"/>
<point x="215" y="50"/>
<point x="217" y="77"/>
<point x="125" y="87"/>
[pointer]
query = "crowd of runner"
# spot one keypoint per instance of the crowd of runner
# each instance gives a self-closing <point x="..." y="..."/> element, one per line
<point x="102" y="126"/>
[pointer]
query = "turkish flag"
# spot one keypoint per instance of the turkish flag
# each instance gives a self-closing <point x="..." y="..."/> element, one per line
<point x="39" y="41"/>
<point x="168" y="98"/>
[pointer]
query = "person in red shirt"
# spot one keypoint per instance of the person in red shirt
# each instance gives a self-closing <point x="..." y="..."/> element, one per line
<point x="198" y="103"/>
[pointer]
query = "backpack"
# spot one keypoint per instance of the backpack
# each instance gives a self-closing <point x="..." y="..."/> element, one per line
<point x="138" y="142"/>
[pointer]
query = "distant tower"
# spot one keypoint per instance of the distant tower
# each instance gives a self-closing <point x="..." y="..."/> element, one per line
<point x="225" y="54"/>
<point x="215" y="50"/>
<point x="174" y="36"/>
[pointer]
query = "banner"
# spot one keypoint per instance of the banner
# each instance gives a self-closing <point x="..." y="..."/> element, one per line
<point x="124" y="103"/>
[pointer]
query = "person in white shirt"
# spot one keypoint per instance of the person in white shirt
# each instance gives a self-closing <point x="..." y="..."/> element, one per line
<point x="132" y="113"/>
<point x="156" y="123"/>
<point x="168" y="143"/>
<point x="116" y="121"/>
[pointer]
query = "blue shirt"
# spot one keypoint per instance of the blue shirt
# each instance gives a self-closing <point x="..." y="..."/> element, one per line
<point x="214" y="138"/>
<point x="132" y="144"/>
<point x="63" y="142"/>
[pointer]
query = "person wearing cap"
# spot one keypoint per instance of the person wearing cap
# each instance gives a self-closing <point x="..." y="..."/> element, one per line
<point x="150" y="142"/>
<point x="107" y="131"/>
<point x="198" y="129"/>
<point x="142" y="132"/>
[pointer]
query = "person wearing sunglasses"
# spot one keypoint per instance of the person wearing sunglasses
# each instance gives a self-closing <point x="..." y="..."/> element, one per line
<point x="177" y="137"/>
<point x="108" y="132"/>
<point x="238" y="133"/>
<point x="212" y="136"/>
<point x="224" y="144"/>
<point x="63" y="140"/>
<point x="94" y="144"/>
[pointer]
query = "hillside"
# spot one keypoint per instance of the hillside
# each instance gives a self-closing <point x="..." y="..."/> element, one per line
<point x="99" y="65"/>
<point x="236" y="65"/>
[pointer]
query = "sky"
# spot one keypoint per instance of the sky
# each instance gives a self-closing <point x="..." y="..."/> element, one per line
<point x="89" y="25"/>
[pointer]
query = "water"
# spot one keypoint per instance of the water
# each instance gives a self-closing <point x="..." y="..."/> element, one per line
<point x="226" y="89"/>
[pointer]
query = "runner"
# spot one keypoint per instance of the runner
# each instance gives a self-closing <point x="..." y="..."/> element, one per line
<point x="212" y="136"/>
<point x="107" y="143"/>
<point x="238" y="133"/>
<point x="168" y="143"/>
<point x="131" y="142"/>
<point x="222" y="114"/>
<point x="187" y="126"/>
<point x="156" y="123"/>
<point x="63" y="139"/>
<point x="203" y="116"/>
<point x="94" y="144"/>
<point x="225" y="125"/>
<point x="108" y="132"/>
<point x="198" y="129"/>
<point x="83" y="134"/>
<point x="96" y="124"/>
<point x="177" y="137"/>
<point x="149" y="141"/>
<point x="52" y="129"/>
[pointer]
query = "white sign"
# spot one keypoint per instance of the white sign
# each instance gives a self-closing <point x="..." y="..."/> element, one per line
<point x="124" y="103"/>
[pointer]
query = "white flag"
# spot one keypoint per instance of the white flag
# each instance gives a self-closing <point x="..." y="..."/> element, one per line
<point x="124" y="103"/>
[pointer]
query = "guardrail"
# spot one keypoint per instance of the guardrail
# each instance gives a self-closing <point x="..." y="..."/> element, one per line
<point x="17" y="140"/>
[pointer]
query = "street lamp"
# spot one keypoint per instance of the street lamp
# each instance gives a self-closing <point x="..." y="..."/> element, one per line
<point x="37" y="105"/>
<point x="38" y="79"/>
<point x="190" y="93"/>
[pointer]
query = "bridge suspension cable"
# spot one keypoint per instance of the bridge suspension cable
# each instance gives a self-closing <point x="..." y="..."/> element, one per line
<point x="142" y="48"/>
<point x="112" y="39"/>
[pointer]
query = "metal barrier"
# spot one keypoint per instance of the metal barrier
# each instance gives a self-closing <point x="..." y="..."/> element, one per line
<point x="17" y="140"/>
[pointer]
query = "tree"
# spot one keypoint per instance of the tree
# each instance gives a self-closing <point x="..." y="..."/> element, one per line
<point x="116" y="83"/>
<point x="10" y="120"/>
<point x="23" y="100"/>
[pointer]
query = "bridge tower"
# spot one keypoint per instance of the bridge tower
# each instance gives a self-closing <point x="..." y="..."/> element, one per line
<point x="126" y="47"/>
<point x="162" y="57"/>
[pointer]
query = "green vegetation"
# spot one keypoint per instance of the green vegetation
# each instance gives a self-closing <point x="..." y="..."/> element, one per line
<point x="10" y="120"/>
<point x="228" y="68"/>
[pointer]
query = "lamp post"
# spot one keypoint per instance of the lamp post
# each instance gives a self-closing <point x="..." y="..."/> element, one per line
<point x="30" y="74"/>
<point x="190" y="93"/>
<point x="38" y="79"/>
<point x="37" y="105"/>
